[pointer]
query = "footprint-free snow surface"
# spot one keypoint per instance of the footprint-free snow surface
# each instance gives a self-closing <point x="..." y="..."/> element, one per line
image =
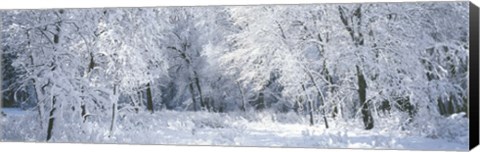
<point x="230" y="129"/>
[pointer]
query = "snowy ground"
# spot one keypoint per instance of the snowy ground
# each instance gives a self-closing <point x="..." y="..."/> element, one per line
<point x="238" y="129"/>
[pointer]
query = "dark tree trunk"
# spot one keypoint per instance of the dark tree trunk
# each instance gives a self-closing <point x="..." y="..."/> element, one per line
<point x="140" y="100"/>
<point x="329" y="79"/>
<point x="352" y="21"/>
<point x="451" y="106"/>
<point x="192" y="93"/>
<point x="362" y="92"/>
<point x="199" y="88"/>
<point x="112" y="123"/>
<point x="335" y="111"/>
<point x="195" y="78"/>
<point x="441" y="107"/>
<point x="51" y="119"/>
<point x="149" y="99"/>
<point x="261" y="97"/>
<point x="260" y="101"/>
<point x="114" y="110"/>
<point x="84" y="113"/>
<point x="92" y="64"/>
<point x="243" y="108"/>
<point x="320" y="98"/>
<point x="310" y="106"/>
<point x="311" y="113"/>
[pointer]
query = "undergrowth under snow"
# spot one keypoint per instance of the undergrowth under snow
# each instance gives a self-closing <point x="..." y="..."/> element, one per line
<point x="235" y="129"/>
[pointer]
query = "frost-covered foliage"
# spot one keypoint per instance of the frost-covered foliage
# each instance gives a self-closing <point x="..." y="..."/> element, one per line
<point x="391" y="67"/>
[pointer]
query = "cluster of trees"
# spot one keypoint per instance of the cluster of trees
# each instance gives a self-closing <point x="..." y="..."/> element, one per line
<point x="325" y="61"/>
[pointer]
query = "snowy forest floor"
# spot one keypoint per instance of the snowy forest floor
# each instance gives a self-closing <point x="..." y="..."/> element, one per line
<point x="228" y="129"/>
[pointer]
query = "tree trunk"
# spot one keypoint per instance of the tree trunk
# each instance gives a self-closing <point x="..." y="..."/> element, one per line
<point x="202" y="101"/>
<point x="51" y="119"/>
<point x="362" y="92"/>
<point x="114" y="117"/>
<point x="331" y="89"/>
<point x="192" y="93"/>
<point x="243" y="108"/>
<point x="84" y="113"/>
<point x="149" y="99"/>
<point x="114" y="110"/>
<point x="352" y="24"/>
<point x="195" y="78"/>
<point x="40" y="104"/>
<point x="310" y="106"/>
<point x="320" y="97"/>
<point x="261" y="100"/>
<point x="335" y="111"/>
<point x="91" y="65"/>
<point x="140" y="99"/>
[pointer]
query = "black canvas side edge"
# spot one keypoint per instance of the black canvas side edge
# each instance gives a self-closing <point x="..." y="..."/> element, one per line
<point x="473" y="77"/>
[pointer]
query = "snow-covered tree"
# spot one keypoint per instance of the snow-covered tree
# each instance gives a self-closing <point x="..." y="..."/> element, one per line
<point x="128" y="57"/>
<point x="275" y="61"/>
<point x="193" y="29"/>
<point x="47" y="62"/>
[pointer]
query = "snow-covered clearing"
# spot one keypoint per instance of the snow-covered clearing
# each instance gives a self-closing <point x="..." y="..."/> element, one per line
<point x="231" y="129"/>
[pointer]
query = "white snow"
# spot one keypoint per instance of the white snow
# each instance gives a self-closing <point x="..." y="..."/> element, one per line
<point x="228" y="129"/>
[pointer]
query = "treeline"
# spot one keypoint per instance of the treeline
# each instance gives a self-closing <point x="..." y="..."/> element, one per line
<point x="331" y="61"/>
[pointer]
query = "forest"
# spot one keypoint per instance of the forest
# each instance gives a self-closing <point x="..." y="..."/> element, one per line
<point x="316" y="75"/>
